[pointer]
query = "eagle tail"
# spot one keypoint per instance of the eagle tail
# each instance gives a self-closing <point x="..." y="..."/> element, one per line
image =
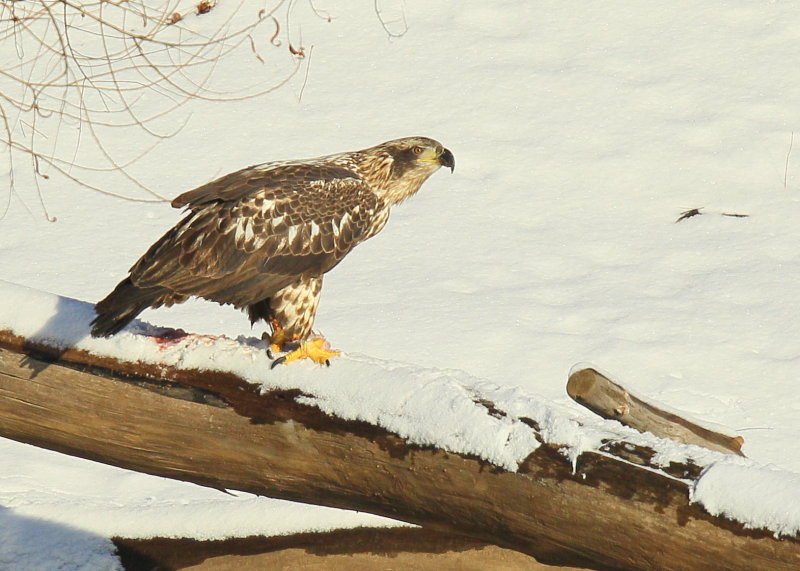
<point x="121" y="306"/>
<point x="259" y="310"/>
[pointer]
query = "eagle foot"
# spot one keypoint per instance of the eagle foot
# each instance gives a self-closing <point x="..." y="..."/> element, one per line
<point x="317" y="349"/>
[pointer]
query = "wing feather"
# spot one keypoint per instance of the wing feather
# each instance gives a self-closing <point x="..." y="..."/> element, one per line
<point x="246" y="182"/>
<point x="251" y="233"/>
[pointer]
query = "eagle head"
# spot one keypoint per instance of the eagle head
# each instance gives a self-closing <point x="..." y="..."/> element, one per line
<point x="397" y="168"/>
<point x="418" y="154"/>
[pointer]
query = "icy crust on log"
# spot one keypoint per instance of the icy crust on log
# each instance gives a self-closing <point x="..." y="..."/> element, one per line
<point x="446" y="409"/>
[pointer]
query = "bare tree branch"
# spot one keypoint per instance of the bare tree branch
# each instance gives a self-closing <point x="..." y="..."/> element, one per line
<point x="76" y="69"/>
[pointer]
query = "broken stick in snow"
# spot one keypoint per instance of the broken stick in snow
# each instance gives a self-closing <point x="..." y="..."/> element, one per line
<point x="608" y="399"/>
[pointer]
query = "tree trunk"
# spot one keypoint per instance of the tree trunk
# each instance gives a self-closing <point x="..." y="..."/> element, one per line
<point x="216" y="430"/>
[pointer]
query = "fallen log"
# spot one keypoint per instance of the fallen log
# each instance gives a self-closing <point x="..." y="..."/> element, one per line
<point x="599" y="510"/>
<point x="601" y="395"/>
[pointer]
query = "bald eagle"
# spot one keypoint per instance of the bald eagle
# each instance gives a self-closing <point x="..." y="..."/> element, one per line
<point x="262" y="238"/>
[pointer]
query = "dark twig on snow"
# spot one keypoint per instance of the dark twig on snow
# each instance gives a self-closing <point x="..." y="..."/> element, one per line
<point x="697" y="212"/>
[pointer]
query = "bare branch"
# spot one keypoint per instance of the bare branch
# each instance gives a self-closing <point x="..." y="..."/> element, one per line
<point x="82" y="68"/>
<point x="387" y="24"/>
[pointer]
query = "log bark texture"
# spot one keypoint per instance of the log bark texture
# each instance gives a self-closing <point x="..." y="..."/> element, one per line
<point x="611" y="400"/>
<point x="216" y="430"/>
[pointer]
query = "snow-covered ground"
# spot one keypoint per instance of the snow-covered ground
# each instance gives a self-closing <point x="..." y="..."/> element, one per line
<point x="580" y="131"/>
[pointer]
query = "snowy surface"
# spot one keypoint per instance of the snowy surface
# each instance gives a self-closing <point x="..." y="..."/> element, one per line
<point x="580" y="134"/>
<point x="758" y="496"/>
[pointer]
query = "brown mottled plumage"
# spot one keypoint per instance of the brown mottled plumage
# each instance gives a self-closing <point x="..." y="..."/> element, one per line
<point x="262" y="238"/>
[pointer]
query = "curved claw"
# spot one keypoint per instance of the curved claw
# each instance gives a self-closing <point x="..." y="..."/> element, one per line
<point x="316" y="349"/>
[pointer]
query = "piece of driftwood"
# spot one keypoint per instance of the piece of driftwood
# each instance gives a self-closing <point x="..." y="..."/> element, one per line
<point x="216" y="430"/>
<point x="611" y="400"/>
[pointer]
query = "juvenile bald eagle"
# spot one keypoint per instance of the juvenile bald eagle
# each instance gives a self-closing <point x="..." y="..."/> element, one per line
<point x="262" y="238"/>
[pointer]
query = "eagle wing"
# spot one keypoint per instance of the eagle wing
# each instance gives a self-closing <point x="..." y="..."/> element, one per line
<point x="253" y="232"/>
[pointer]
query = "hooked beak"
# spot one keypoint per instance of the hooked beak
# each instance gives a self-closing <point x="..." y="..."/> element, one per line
<point x="446" y="159"/>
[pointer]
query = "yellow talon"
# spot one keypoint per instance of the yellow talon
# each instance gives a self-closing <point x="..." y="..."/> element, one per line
<point x="278" y="338"/>
<point x="317" y="349"/>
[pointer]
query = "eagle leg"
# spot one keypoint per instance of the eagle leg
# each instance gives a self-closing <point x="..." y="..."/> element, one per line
<point x="279" y="339"/>
<point x="316" y="348"/>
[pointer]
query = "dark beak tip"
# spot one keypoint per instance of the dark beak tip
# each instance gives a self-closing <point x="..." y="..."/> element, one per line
<point x="448" y="160"/>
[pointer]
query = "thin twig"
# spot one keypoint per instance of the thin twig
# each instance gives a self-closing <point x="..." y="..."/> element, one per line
<point x="305" y="78"/>
<point x="385" y="24"/>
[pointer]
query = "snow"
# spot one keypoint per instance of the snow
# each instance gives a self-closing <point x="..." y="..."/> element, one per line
<point x="759" y="497"/>
<point x="38" y="544"/>
<point x="580" y="134"/>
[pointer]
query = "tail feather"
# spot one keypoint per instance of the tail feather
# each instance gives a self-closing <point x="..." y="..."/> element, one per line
<point x="259" y="310"/>
<point x="121" y="306"/>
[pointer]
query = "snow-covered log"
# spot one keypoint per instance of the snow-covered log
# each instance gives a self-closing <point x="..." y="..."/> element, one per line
<point x="617" y="504"/>
<point x="490" y="463"/>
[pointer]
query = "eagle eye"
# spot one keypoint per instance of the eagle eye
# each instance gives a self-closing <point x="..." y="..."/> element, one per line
<point x="417" y="150"/>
